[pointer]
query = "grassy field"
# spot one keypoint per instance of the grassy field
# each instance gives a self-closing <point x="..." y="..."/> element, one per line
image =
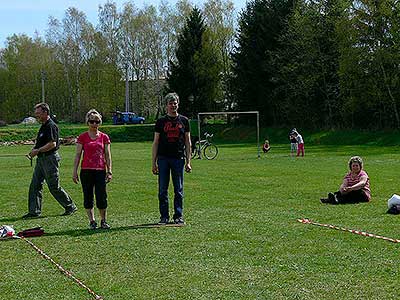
<point x="241" y="241"/>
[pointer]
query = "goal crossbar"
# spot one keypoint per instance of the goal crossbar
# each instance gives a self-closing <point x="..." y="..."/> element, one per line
<point x="234" y="113"/>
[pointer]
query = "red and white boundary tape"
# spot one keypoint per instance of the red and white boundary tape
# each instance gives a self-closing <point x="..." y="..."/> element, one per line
<point x="363" y="233"/>
<point x="65" y="272"/>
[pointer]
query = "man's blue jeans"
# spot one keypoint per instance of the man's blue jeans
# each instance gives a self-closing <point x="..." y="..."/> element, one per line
<point x="173" y="167"/>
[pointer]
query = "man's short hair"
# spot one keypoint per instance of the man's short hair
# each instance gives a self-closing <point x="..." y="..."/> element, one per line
<point x="44" y="106"/>
<point x="171" y="97"/>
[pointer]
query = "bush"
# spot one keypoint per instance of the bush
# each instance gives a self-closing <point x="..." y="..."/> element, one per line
<point x="3" y="123"/>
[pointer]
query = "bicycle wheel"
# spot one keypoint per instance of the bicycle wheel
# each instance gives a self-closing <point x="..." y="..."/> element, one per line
<point x="195" y="150"/>
<point x="210" y="151"/>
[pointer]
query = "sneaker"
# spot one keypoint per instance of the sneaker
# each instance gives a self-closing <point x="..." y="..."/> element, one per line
<point x="179" y="221"/>
<point x="30" y="216"/>
<point x="104" y="225"/>
<point x="324" y="200"/>
<point x="336" y="198"/>
<point x="93" y="225"/>
<point x="163" y="221"/>
<point x="331" y="198"/>
<point x="70" y="211"/>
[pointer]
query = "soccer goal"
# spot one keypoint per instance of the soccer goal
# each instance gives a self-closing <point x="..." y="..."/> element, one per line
<point x="202" y="115"/>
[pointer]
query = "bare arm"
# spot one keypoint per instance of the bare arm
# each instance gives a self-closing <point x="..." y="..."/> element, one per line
<point x="78" y="155"/>
<point x="359" y="185"/>
<point x="154" y="153"/>
<point x="188" y="149"/>
<point x="343" y="185"/>
<point x="107" y="150"/>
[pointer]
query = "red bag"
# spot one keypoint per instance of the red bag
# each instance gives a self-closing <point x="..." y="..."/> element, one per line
<point x="37" y="231"/>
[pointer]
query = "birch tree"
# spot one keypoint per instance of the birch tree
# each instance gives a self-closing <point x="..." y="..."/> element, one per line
<point x="72" y="40"/>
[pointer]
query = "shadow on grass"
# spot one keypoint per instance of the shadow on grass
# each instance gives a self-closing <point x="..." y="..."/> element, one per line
<point x="82" y="232"/>
<point x="7" y="220"/>
<point x="14" y="219"/>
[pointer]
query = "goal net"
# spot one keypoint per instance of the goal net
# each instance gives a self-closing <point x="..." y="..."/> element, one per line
<point x="247" y="119"/>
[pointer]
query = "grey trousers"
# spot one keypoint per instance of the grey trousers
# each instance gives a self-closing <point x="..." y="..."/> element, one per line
<point x="46" y="168"/>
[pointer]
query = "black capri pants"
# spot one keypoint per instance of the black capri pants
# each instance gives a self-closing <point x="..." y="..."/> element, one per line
<point x="94" y="182"/>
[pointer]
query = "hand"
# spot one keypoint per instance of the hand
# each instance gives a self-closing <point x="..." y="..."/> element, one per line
<point x="154" y="169"/>
<point x="108" y="177"/>
<point x="188" y="167"/>
<point x="75" y="178"/>
<point x="28" y="156"/>
<point x="33" y="153"/>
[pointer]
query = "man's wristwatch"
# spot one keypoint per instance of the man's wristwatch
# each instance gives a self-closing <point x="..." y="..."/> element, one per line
<point x="109" y="173"/>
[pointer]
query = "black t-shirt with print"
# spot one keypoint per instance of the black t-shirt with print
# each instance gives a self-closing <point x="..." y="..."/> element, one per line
<point x="48" y="132"/>
<point x="172" y="136"/>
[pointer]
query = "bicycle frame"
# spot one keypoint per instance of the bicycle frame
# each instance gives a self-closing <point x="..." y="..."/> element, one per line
<point x="204" y="143"/>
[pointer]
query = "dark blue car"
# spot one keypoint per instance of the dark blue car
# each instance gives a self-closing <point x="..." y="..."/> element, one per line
<point x="127" y="118"/>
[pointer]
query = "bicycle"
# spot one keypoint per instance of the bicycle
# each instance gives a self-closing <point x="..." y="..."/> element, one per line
<point x="210" y="151"/>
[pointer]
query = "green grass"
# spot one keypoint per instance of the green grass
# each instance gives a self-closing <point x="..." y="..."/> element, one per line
<point x="242" y="240"/>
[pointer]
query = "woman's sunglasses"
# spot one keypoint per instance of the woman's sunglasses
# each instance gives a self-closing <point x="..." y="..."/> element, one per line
<point x="94" y="121"/>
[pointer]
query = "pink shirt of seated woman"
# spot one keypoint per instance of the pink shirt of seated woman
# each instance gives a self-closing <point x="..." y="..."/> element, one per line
<point x="356" y="179"/>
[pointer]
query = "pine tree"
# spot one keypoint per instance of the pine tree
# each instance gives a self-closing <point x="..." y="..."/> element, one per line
<point x="260" y="27"/>
<point x="195" y="73"/>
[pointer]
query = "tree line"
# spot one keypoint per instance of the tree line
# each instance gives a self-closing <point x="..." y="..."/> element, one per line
<point x="301" y="63"/>
<point x="320" y="64"/>
<point x="128" y="55"/>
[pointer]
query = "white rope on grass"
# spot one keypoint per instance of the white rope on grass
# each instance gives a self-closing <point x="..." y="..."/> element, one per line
<point x="363" y="233"/>
<point x="62" y="269"/>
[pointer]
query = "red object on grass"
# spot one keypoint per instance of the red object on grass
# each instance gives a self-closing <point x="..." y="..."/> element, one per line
<point x="37" y="231"/>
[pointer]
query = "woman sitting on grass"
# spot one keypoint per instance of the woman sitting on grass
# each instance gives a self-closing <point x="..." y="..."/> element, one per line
<point x="355" y="186"/>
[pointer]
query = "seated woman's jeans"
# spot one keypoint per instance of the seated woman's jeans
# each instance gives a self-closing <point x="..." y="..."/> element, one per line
<point x="173" y="167"/>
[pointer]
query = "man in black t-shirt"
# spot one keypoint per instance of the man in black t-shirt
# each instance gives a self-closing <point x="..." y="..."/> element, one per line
<point x="47" y="165"/>
<point x="171" y="154"/>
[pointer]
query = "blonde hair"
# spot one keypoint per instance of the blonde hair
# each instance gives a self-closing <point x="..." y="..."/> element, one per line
<point x="356" y="159"/>
<point x="94" y="113"/>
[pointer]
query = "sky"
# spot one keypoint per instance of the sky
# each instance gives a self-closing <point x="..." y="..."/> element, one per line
<point x="30" y="16"/>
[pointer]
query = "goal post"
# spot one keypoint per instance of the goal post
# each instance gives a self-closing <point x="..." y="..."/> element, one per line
<point x="227" y="113"/>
